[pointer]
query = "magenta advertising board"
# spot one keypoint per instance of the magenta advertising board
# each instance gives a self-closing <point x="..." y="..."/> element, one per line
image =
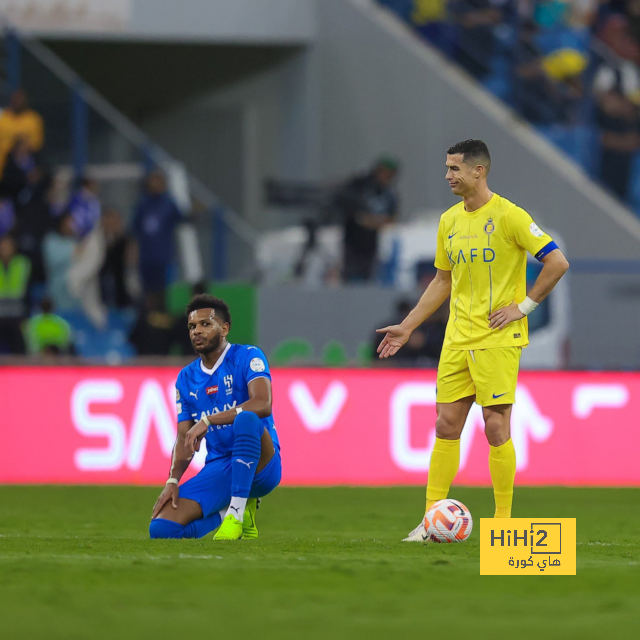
<point x="95" y="425"/>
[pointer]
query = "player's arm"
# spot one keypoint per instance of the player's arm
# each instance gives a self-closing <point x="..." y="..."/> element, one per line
<point x="180" y="459"/>
<point x="554" y="266"/>
<point x="259" y="402"/>
<point x="397" y="335"/>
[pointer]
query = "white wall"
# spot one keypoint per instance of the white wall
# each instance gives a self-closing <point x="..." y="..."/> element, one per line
<point x="267" y="21"/>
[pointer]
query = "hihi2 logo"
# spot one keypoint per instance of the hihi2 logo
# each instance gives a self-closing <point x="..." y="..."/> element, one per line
<point x="527" y="546"/>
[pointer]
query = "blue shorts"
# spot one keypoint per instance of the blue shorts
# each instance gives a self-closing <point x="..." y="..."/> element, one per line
<point x="211" y="488"/>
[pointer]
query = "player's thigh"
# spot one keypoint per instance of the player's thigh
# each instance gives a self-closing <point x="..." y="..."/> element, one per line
<point x="211" y="487"/>
<point x="187" y="511"/>
<point x="454" y="377"/>
<point x="495" y="375"/>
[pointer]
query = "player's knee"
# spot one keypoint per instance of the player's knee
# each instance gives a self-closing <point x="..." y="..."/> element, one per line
<point x="161" y="528"/>
<point x="447" y="429"/>
<point x="496" y="430"/>
<point x="248" y="423"/>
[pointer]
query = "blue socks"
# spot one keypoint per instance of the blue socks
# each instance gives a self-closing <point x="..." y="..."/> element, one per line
<point x="247" y="429"/>
<point x="161" y="528"/>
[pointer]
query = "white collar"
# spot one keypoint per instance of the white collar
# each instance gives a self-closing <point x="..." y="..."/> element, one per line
<point x="217" y="364"/>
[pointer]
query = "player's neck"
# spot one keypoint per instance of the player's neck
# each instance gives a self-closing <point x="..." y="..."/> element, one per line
<point x="477" y="199"/>
<point x="210" y="359"/>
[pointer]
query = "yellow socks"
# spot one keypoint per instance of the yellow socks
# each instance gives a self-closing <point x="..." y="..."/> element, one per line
<point x="502" y="465"/>
<point x="443" y="467"/>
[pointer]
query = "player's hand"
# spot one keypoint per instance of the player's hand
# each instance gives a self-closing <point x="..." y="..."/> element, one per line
<point x="502" y="317"/>
<point x="170" y="492"/>
<point x="194" y="437"/>
<point x="395" y="336"/>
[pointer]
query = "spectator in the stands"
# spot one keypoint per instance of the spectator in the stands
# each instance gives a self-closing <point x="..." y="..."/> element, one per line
<point x="476" y="41"/>
<point x="546" y="88"/>
<point x="620" y="75"/>
<point x="118" y="259"/>
<point x="367" y="204"/>
<point x="429" y="17"/>
<point x="47" y="333"/>
<point x="15" y="270"/>
<point x="619" y="122"/>
<point x="154" y="223"/>
<point x="551" y="14"/>
<point x="20" y="162"/>
<point x="60" y="248"/>
<point x="632" y="11"/>
<point x="615" y="33"/>
<point x="18" y="121"/>
<point x="85" y="207"/>
<point x="34" y="221"/>
<point x="7" y="216"/>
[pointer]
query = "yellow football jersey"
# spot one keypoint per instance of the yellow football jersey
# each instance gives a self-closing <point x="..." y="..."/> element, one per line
<point x="486" y="252"/>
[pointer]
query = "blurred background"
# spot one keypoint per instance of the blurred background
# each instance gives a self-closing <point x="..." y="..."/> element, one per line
<point x="288" y="156"/>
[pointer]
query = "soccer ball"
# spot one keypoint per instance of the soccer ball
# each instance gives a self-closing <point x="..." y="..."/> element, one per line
<point x="448" y="521"/>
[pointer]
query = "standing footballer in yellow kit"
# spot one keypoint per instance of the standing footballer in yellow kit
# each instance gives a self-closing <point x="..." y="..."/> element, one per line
<point x="481" y="260"/>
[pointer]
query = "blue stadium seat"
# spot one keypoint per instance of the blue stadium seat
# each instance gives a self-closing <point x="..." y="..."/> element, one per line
<point x="110" y="344"/>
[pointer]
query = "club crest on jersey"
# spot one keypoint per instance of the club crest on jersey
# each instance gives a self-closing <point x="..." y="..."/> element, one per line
<point x="489" y="228"/>
<point x="212" y="390"/>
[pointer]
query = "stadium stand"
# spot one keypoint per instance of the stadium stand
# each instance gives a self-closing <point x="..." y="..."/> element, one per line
<point x="569" y="68"/>
<point x="83" y="224"/>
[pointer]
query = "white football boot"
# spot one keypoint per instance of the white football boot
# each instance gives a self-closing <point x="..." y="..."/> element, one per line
<point x="419" y="534"/>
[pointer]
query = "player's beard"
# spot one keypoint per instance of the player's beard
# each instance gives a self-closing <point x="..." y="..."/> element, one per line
<point x="210" y="347"/>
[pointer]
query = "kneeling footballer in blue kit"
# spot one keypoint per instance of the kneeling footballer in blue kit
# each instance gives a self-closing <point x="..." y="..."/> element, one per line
<point x="224" y="397"/>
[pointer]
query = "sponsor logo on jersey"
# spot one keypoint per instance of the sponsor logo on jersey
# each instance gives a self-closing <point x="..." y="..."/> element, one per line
<point x="473" y="255"/>
<point x="226" y="407"/>
<point x="212" y="390"/>
<point x="517" y="335"/>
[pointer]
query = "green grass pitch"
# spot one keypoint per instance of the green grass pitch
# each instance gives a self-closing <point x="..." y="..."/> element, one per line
<point x="76" y="563"/>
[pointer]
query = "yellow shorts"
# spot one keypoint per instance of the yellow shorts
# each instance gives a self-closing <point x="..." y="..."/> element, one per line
<point x="490" y="375"/>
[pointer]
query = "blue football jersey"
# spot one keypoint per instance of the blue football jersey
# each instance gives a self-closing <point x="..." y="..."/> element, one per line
<point x="201" y="391"/>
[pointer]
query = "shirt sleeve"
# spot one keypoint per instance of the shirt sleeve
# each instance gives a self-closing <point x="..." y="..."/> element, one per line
<point x="183" y="409"/>
<point x="527" y="234"/>
<point x="442" y="260"/>
<point x="255" y="365"/>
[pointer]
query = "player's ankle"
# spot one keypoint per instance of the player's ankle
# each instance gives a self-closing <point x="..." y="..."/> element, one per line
<point x="237" y="507"/>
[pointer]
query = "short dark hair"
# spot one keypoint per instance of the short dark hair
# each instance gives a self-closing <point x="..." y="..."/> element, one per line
<point x="473" y="151"/>
<point x="205" y="301"/>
